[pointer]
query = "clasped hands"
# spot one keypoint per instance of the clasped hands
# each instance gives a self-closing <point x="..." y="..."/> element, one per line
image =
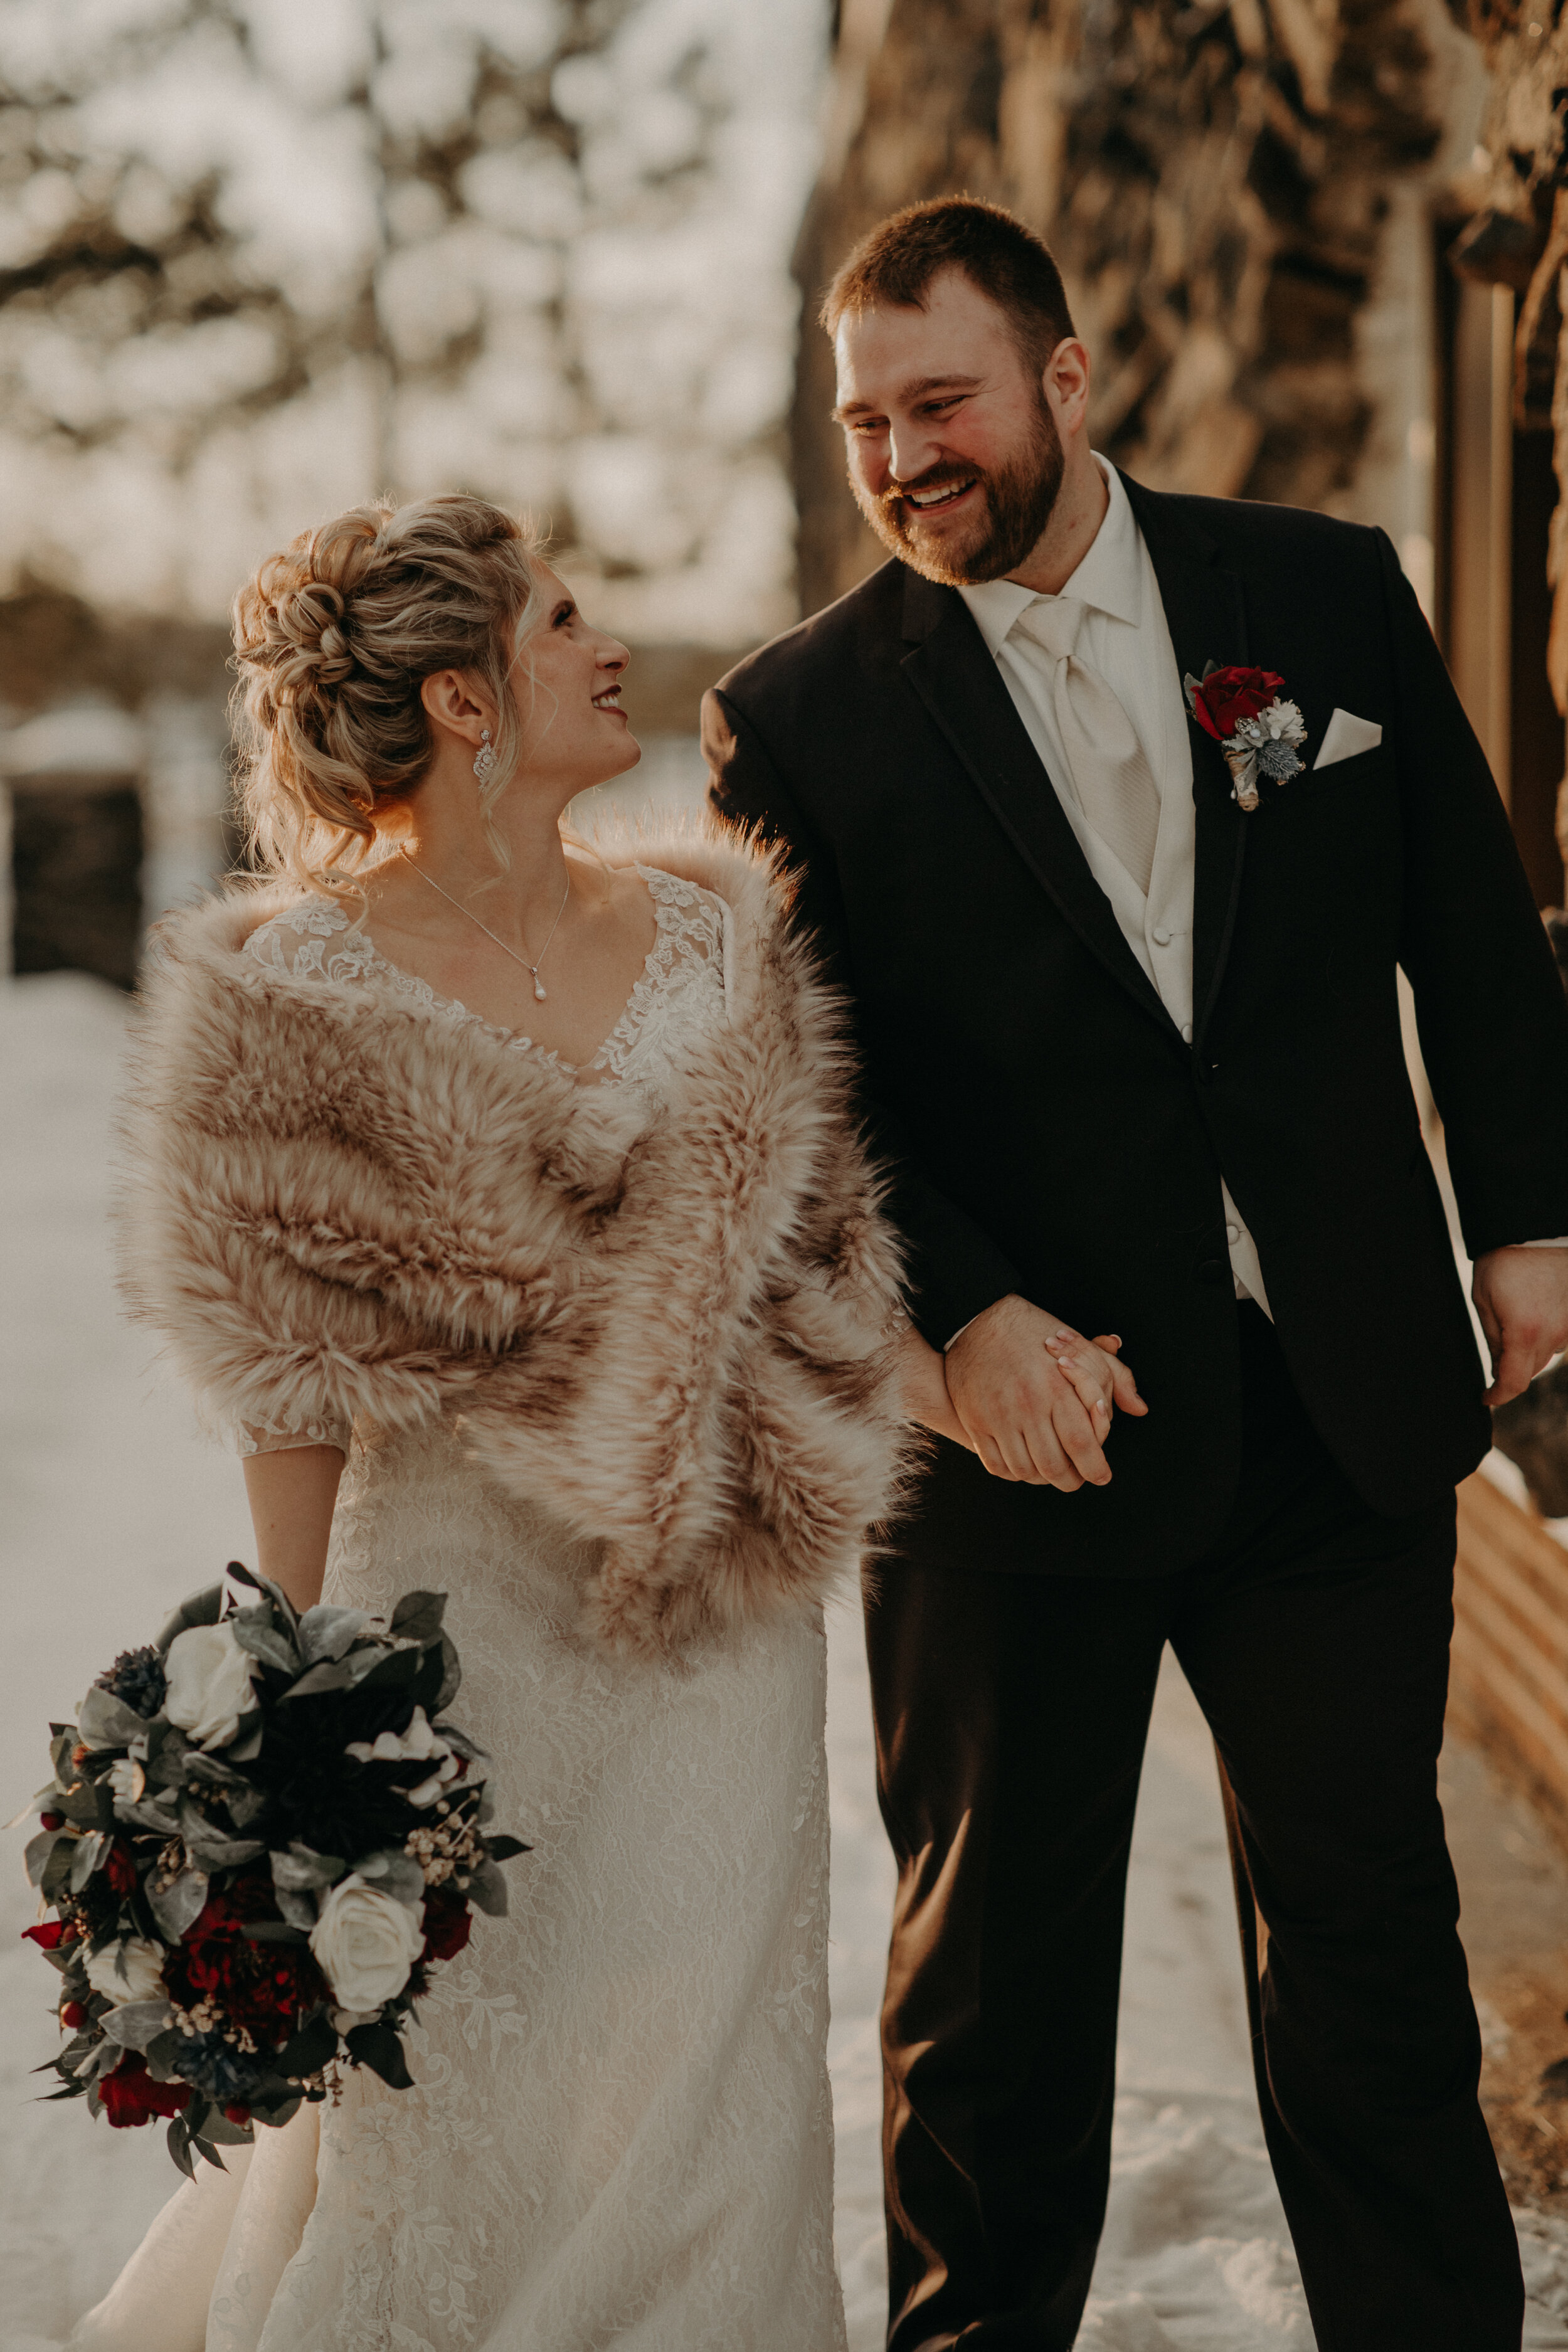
<point x="1031" y="1396"/>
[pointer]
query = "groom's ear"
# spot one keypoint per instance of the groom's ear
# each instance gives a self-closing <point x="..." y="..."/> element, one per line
<point x="1066" y="383"/>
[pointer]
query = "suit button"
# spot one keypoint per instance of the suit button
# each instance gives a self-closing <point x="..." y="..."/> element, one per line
<point x="1213" y="1269"/>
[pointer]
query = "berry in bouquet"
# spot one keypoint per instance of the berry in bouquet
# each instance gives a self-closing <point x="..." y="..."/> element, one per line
<point x="261" y="1836"/>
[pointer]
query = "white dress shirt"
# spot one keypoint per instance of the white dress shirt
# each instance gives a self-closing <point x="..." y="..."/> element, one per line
<point x="1125" y="637"/>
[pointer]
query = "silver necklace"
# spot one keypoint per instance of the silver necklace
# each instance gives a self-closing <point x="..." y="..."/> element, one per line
<point x="531" y="968"/>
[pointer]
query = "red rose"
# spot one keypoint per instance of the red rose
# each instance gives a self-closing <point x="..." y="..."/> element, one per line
<point x="448" y="1922"/>
<point x="1228" y="696"/>
<point x="131" y="2096"/>
<point x="73" y="2014"/>
<point x="46" y="1936"/>
<point x="52" y="1820"/>
<point x="238" y="2114"/>
<point x="119" y="1868"/>
<point x="256" y="1983"/>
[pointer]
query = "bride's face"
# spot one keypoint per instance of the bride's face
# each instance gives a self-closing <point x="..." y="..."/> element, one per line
<point x="566" y="683"/>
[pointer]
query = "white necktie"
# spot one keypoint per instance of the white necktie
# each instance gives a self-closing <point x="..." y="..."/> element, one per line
<point x="1115" y="787"/>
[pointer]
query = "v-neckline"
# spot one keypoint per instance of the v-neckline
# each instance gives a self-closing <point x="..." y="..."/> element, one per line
<point x="578" y="1072"/>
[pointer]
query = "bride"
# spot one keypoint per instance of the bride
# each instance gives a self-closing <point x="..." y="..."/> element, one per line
<point x="508" y="1202"/>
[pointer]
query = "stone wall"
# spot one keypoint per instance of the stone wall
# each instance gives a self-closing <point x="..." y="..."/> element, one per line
<point x="1215" y="182"/>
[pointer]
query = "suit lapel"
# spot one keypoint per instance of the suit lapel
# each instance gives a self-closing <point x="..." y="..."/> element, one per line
<point x="951" y="670"/>
<point x="1207" y="620"/>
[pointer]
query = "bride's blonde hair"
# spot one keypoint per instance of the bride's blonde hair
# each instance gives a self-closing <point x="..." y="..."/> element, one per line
<point x="333" y="639"/>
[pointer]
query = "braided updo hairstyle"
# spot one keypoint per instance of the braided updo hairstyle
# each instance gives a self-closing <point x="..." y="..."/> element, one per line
<point x="333" y="639"/>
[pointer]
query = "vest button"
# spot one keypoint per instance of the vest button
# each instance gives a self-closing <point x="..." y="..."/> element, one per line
<point x="1213" y="1270"/>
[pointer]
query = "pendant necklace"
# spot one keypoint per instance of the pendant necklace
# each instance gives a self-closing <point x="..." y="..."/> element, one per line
<point x="531" y="968"/>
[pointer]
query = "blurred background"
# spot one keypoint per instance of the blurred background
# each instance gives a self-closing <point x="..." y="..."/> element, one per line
<point x="260" y="258"/>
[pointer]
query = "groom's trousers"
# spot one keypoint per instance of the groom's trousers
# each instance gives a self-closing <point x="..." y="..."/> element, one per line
<point x="1012" y="1712"/>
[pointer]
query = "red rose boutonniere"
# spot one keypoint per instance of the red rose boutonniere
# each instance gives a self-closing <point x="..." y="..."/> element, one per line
<point x="1258" y="733"/>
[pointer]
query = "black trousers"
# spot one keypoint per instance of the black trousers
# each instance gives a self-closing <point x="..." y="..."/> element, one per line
<point x="1012" y="1713"/>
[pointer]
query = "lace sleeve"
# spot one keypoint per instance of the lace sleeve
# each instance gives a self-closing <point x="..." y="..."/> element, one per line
<point x="254" y="1437"/>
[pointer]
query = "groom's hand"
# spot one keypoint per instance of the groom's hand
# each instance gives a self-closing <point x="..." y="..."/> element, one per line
<point x="1036" y="1398"/>
<point x="1522" y="1298"/>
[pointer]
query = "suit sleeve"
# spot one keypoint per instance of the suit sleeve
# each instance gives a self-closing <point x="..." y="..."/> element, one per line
<point x="955" y="1270"/>
<point x="1490" y="1005"/>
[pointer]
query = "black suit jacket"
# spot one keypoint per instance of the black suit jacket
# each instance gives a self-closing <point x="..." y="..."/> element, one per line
<point x="1052" y="1134"/>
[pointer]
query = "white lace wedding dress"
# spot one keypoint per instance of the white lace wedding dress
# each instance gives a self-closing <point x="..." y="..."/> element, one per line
<point x="620" y="2133"/>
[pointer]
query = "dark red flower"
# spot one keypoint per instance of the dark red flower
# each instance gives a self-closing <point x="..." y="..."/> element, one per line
<point x="1228" y="696"/>
<point x="238" y="2114"/>
<point x="448" y="1923"/>
<point x="73" y="2014"/>
<point x="256" y="1983"/>
<point x="119" y="1868"/>
<point x="53" y="1820"/>
<point x="47" y="1935"/>
<point x="131" y="2095"/>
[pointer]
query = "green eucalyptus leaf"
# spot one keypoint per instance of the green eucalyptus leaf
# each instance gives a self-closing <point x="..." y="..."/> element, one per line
<point x="300" y="1868"/>
<point x="177" y="1906"/>
<point x="417" y="1616"/>
<point x="161" y="2054"/>
<point x="36" y="1852"/>
<point x="202" y="1608"/>
<point x="274" y="1931"/>
<point x="253" y="1631"/>
<point x="217" y="2127"/>
<point x="208" y="1848"/>
<point x="90" y="1853"/>
<point x="487" y="1890"/>
<point x="504" y="1848"/>
<point x="55" y="1880"/>
<point x="106" y="1721"/>
<point x="299" y="1910"/>
<point x="376" y="2047"/>
<point x="179" y="2145"/>
<point x="451" y="1681"/>
<point x="396" y="1874"/>
<point x="327" y="1632"/>
<point x="335" y="1673"/>
<point x="309" y="2050"/>
<point x="134" y="2023"/>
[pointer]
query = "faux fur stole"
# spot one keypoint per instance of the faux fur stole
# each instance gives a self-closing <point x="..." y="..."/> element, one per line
<point x="668" y="1327"/>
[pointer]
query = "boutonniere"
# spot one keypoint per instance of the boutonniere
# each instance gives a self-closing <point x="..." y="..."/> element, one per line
<point x="1258" y="733"/>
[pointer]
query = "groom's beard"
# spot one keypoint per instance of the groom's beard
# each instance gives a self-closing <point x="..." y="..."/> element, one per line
<point x="1014" y="508"/>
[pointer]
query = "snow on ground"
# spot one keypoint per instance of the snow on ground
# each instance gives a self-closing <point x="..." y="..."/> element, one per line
<point x="110" y="1509"/>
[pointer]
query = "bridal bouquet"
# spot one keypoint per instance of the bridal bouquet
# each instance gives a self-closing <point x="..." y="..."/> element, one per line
<point x="259" y="1839"/>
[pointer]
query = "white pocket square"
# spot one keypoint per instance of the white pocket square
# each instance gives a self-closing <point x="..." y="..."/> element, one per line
<point x="1347" y="735"/>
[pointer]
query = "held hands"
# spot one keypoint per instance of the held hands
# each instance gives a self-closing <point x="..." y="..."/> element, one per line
<point x="1522" y="1298"/>
<point x="1033" y="1398"/>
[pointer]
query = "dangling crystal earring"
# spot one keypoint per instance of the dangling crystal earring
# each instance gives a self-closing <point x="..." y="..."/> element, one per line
<point x="484" y="759"/>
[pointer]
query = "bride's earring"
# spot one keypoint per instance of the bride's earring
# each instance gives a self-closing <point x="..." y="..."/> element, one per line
<point x="484" y="759"/>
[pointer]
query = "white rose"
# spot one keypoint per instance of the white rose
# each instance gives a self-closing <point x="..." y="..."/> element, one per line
<point x="365" y="1942"/>
<point x="209" y="1684"/>
<point x="132" y="1970"/>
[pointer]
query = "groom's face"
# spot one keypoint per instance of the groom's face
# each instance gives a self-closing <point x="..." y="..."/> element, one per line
<point x="955" y="457"/>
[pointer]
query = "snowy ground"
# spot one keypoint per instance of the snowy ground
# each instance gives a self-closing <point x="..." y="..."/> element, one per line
<point x="111" y="1509"/>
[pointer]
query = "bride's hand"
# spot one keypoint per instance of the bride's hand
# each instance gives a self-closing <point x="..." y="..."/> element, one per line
<point x="1036" y="1397"/>
<point x="924" y="1386"/>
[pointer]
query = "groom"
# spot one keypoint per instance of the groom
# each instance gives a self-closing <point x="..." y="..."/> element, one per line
<point x="1126" y="1002"/>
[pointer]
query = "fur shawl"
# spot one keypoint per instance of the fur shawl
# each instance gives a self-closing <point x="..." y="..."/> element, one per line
<point x="669" y="1330"/>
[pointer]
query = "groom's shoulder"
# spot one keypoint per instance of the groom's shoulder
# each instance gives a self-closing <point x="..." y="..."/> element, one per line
<point x="845" y="635"/>
<point x="1252" y="530"/>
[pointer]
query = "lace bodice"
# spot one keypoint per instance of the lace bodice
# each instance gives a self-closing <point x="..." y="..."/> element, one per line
<point x="682" y="992"/>
<point x="680" y="998"/>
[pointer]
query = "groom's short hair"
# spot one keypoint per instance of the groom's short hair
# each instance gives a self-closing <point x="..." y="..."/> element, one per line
<point x="897" y="260"/>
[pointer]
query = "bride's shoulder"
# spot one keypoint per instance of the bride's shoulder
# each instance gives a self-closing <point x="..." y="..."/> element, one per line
<point x="682" y="905"/>
<point x="312" y="938"/>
